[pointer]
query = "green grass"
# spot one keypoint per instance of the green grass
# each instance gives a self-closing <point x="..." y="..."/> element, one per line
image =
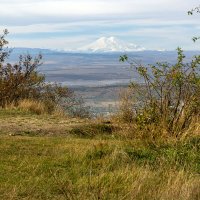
<point x="87" y="165"/>
<point x="64" y="168"/>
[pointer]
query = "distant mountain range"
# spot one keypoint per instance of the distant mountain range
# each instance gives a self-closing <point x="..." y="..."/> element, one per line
<point x="23" y="50"/>
<point x="102" y="45"/>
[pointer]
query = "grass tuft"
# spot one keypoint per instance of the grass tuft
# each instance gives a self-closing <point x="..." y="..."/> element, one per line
<point x="32" y="106"/>
<point x="91" y="130"/>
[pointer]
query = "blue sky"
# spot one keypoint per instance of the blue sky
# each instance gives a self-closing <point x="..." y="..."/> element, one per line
<point x="69" y="24"/>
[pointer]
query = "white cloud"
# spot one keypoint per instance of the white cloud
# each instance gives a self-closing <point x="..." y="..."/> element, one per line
<point x="91" y="8"/>
<point x="95" y="18"/>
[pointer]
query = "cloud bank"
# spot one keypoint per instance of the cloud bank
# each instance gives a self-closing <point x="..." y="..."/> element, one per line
<point x="69" y="24"/>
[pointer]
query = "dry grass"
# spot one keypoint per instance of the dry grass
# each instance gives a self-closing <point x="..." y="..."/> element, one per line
<point x="36" y="107"/>
<point x="36" y="166"/>
<point x="19" y="122"/>
<point x="33" y="106"/>
<point x="126" y="103"/>
<point x="61" y="168"/>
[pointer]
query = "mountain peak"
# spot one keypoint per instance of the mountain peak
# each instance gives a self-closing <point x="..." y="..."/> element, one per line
<point x="112" y="39"/>
<point x="110" y="44"/>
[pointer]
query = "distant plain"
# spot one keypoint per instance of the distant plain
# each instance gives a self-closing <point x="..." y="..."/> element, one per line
<point x="98" y="78"/>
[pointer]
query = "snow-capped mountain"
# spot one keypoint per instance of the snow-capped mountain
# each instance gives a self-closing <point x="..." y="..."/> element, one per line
<point x="110" y="44"/>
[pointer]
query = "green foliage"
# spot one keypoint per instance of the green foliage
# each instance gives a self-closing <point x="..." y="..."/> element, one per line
<point x="123" y="58"/>
<point x="191" y="12"/>
<point x="196" y="9"/>
<point x="169" y="95"/>
<point x="195" y="39"/>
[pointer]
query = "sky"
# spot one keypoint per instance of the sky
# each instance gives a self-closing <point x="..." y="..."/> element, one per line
<point x="70" y="24"/>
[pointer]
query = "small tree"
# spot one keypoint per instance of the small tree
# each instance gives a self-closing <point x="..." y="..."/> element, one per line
<point x="22" y="81"/>
<point x="169" y="95"/>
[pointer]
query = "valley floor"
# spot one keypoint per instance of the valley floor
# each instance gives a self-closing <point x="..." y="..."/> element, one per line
<point x="43" y="157"/>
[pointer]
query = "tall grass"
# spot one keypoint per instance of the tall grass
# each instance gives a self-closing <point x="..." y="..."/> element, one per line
<point x="33" y="106"/>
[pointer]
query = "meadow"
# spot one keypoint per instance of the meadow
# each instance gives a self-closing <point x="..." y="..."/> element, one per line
<point x="54" y="157"/>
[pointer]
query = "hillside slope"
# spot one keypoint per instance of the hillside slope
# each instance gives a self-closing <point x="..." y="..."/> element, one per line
<point x="48" y="157"/>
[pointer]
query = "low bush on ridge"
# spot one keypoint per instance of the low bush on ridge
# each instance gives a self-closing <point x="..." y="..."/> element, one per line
<point x="169" y="96"/>
<point x="22" y="81"/>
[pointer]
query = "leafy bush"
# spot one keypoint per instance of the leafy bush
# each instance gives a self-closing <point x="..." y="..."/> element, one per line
<point x="169" y="95"/>
<point x="22" y="81"/>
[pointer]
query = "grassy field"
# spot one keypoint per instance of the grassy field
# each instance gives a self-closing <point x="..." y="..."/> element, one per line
<point x="46" y="157"/>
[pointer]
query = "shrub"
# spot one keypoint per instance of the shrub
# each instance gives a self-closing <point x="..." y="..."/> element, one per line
<point x="75" y="107"/>
<point x="169" y="95"/>
<point x="21" y="81"/>
<point x="18" y="81"/>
